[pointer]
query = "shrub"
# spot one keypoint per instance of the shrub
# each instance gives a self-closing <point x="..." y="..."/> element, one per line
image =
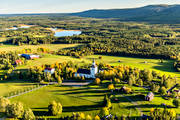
<point x="111" y="87"/>
<point x="97" y="118"/>
<point x="104" y="112"/>
<point x="116" y="80"/>
<point x="163" y="114"/>
<point x="176" y="103"/>
<point x="82" y="116"/>
<point x="127" y="90"/>
<point x="88" y="117"/>
<point x="163" y="90"/>
<point x="55" y="108"/>
<point x="97" y="81"/>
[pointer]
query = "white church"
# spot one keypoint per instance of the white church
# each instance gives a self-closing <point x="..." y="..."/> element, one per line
<point x="88" y="73"/>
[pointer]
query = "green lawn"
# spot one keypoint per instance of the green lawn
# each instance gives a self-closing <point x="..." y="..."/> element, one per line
<point x="152" y="64"/>
<point x="146" y="106"/>
<point x="88" y="100"/>
<point x="7" y="87"/>
<point x="73" y="99"/>
<point x="52" y="47"/>
<point x="85" y="99"/>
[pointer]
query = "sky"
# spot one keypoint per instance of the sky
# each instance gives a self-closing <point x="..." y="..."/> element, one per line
<point x="69" y="6"/>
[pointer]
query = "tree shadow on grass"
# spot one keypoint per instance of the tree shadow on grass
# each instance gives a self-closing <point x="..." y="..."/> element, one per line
<point x="95" y="95"/>
<point x="69" y="90"/>
<point x="166" y="66"/>
<point x="145" y="106"/>
<point x="82" y="108"/>
<point x="40" y="111"/>
<point x="89" y="91"/>
<point x="135" y="98"/>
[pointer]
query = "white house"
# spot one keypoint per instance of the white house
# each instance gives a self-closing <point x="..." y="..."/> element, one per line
<point x="50" y="70"/>
<point x="88" y="73"/>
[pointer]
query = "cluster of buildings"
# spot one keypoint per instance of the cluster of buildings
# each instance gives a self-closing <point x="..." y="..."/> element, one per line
<point x="88" y="73"/>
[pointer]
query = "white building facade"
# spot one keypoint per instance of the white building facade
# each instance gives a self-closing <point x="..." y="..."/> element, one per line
<point x="88" y="73"/>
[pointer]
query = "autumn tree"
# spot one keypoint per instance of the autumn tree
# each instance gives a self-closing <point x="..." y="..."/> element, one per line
<point x="104" y="112"/>
<point x="15" y="110"/>
<point x="28" y="115"/>
<point x="97" y="81"/>
<point x="55" y="108"/>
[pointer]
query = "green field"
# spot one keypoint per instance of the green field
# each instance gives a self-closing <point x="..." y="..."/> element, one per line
<point x="76" y="99"/>
<point x="88" y="100"/>
<point x="85" y="99"/>
<point x="8" y="87"/>
<point x="152" y="64"/>
<point x="52" y="47"/>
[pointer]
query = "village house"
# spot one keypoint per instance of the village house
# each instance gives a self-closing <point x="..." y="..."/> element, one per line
<point x="88" y="73"/>
<point x="149" y="96"/>
<point x="50" y="70"/>
<point x="18" y="62"/>
<point x="27" y="56"/>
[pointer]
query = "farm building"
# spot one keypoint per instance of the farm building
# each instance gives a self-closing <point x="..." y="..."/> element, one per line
<point x="149" y="96"/>
<point x="88" y="73"/>
<point x="27" y="56"/>
<point x="18" y="62"/>
<point x="50" y="70"/>
<point x="34" y="56"/>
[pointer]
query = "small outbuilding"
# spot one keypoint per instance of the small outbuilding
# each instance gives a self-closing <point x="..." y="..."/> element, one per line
<point x="149" y="96"/>
<point x="50" y="70"/>
<point x="27" y="56"/>
<point x="34" y="56"/>
<point x="18" y="62"/>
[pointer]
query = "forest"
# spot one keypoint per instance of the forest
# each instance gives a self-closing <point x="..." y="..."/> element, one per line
<point x="118" y="88"/>
<point x="100" y="36"/>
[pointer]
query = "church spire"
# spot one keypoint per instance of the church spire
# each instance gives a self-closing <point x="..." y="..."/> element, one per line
<point x="94" y="64"/>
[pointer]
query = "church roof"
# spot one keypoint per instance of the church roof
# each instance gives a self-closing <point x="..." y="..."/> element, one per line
<point x="84" y="71"/>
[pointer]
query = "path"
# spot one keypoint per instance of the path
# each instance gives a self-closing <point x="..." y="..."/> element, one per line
<point x="75" y="84"/>
<point x="134" y="103"/>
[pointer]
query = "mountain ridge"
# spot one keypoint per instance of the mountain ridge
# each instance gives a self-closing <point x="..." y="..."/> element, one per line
<point x="154" y="13"/>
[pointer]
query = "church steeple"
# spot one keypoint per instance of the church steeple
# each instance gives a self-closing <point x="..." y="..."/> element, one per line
<point x="93" y="64"/>
<point x="94" y="69"/>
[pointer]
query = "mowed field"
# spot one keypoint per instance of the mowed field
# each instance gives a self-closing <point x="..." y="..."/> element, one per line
<point x="74" y="99"/>
<point x="9" y="87"/>
<point x="88" y="99"/>
<point x="52" y="47"/>
<point x="142" y="63"/>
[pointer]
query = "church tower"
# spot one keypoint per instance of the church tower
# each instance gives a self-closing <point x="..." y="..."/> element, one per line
<point x="94" y="69"/>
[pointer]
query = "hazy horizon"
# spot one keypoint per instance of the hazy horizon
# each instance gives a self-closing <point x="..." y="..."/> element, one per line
<point x="70" y="6"/>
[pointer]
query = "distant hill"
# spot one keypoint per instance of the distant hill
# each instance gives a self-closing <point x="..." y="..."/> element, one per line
<point x="151" y="13"/>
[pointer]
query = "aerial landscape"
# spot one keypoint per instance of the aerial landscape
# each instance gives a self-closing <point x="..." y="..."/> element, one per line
<point x="90" y="60"/>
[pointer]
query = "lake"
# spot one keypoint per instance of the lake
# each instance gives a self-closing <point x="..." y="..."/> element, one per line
<point x="16" y="28"/>
<point x="63" y="33"/>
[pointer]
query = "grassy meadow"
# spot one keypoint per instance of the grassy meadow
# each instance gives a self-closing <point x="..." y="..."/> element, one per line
<point x="87" y="99"/>
<point x="8" y="87"/>
<point x="78" y="99"/>
<point x="152" y="64"/>
<point x="52" y="47"/>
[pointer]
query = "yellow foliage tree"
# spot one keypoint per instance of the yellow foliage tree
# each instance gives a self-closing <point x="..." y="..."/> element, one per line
<point x="97" y="81"/>
<point x="111" y="87"/>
